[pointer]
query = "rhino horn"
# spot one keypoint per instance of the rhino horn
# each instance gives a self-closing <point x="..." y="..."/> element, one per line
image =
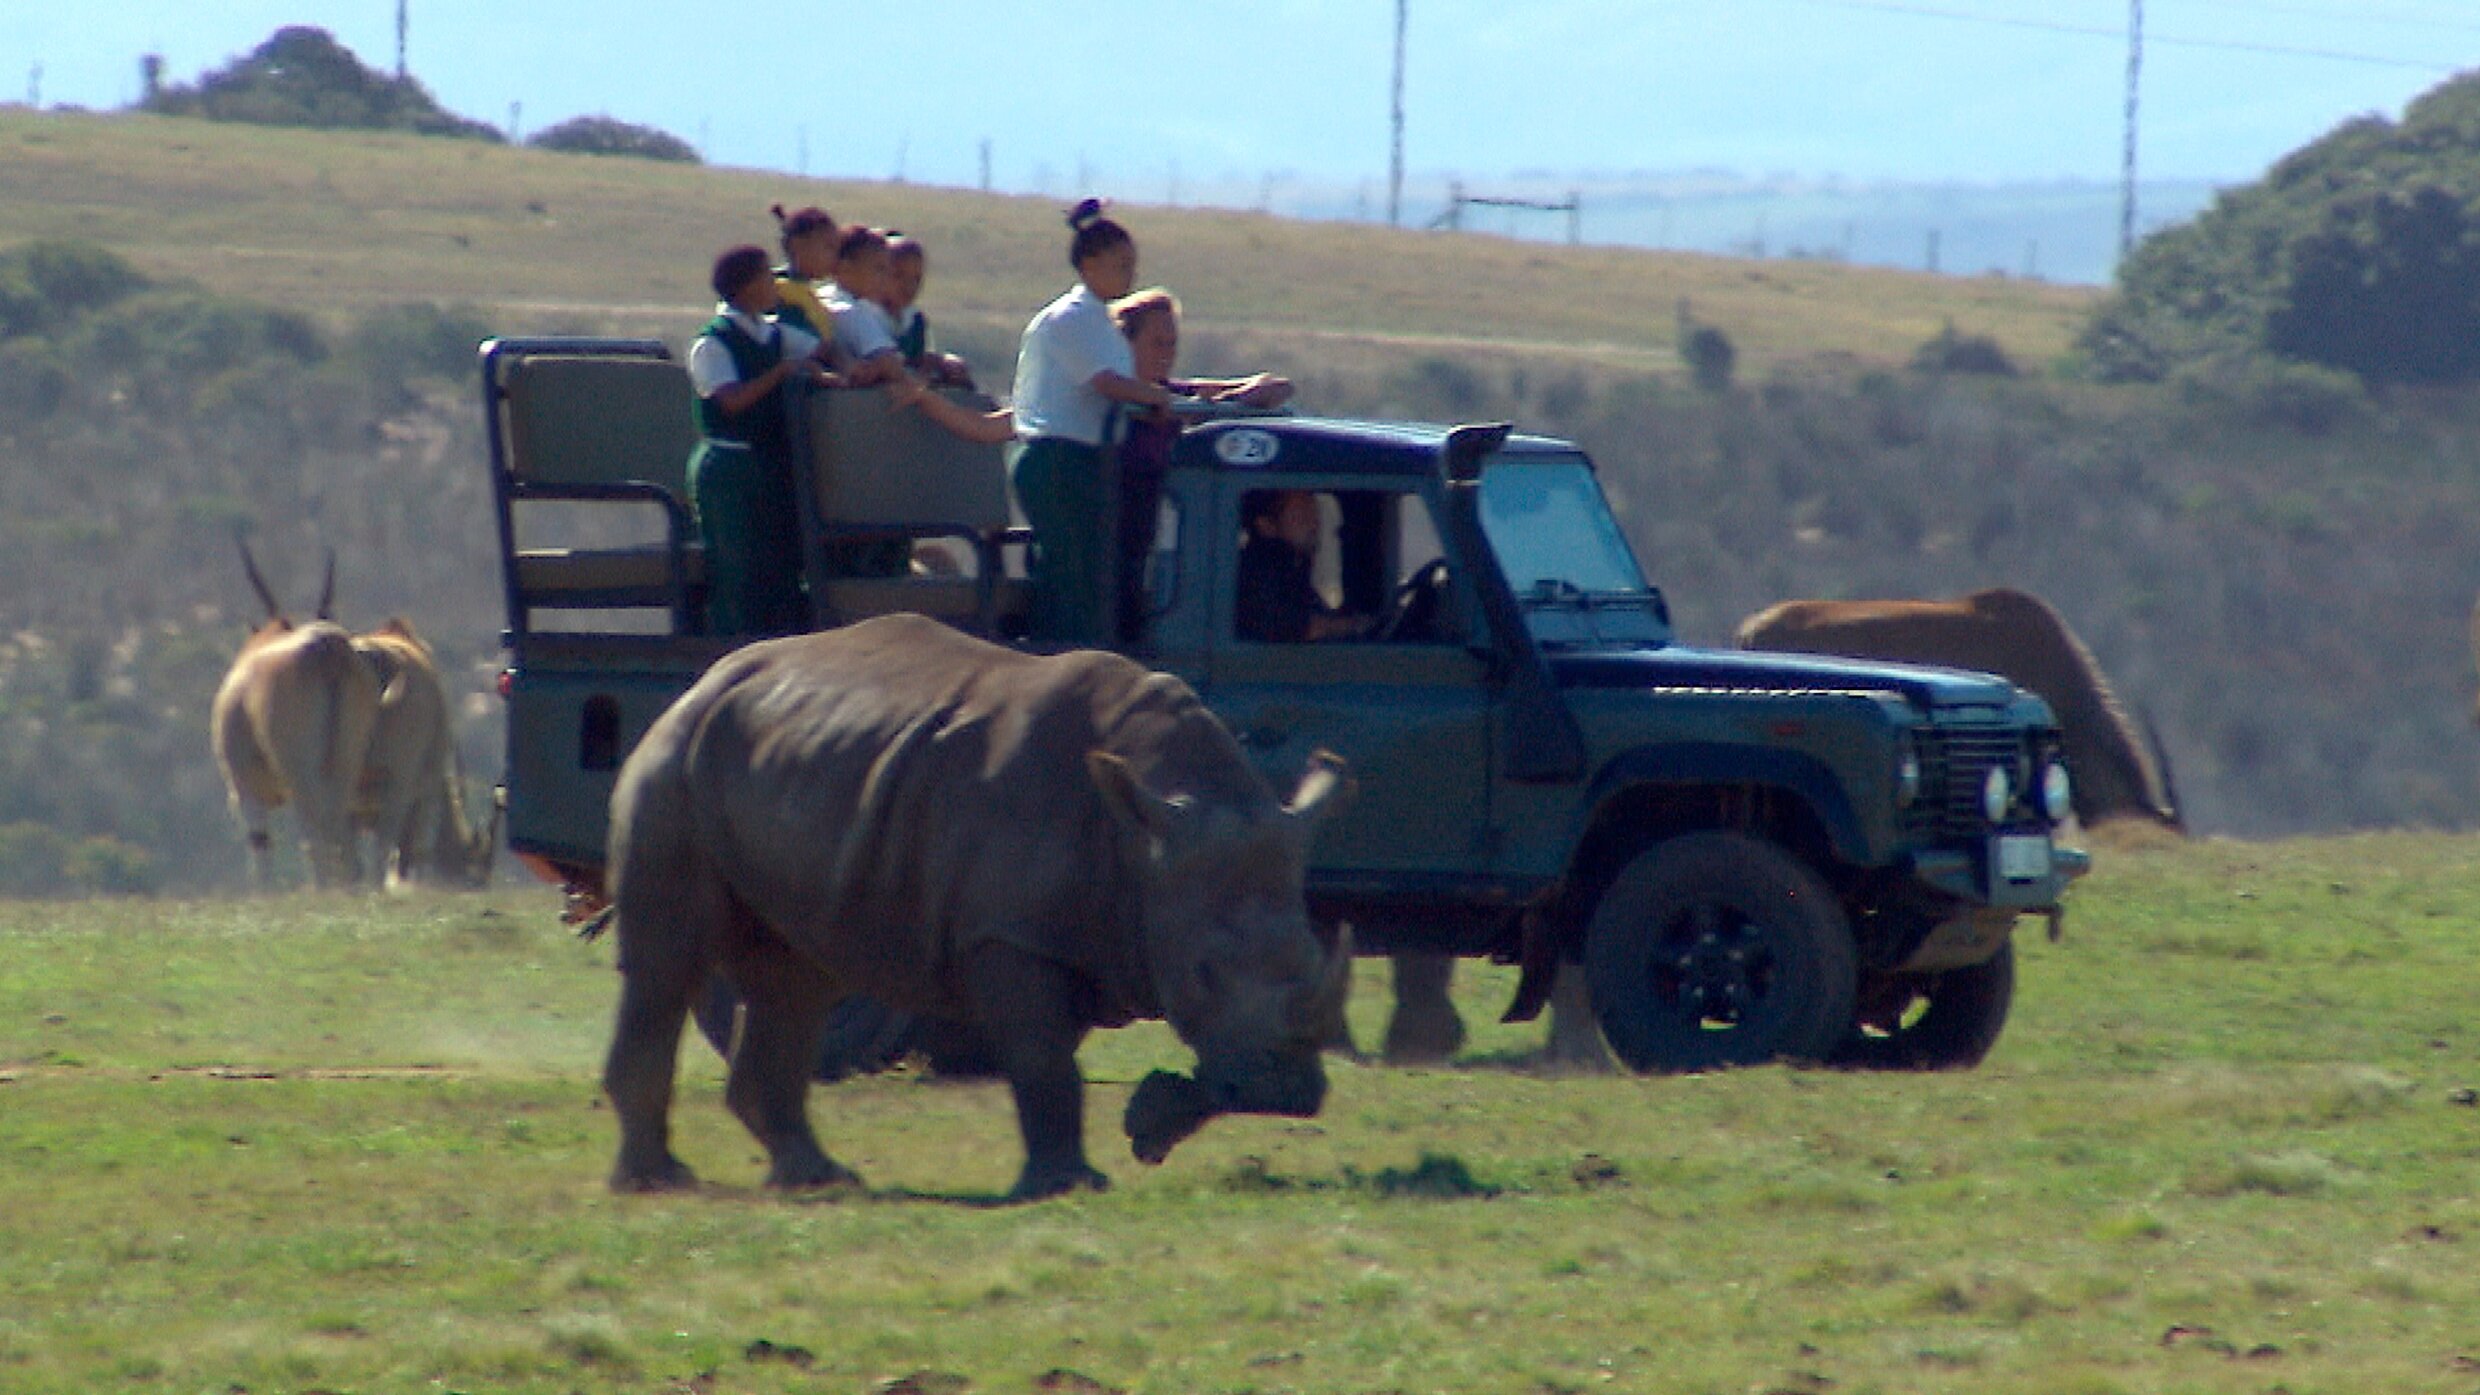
<point x="1324" y="1008"/>
<point x="1324" y="790"/>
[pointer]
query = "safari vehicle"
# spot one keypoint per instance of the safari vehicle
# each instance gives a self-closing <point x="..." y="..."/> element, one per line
<point x="1752" y="856"/>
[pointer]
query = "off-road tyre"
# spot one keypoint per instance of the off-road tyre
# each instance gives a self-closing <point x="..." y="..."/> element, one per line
<point x="1941" y="1021"/>
<point x="864" y="1036"/>
<point x="1719" y="949"/>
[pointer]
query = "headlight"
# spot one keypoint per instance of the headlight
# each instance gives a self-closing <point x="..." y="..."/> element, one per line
<point x="1906" y="773"/>
<point x="1997" y="794"/>
<point x="2057" y="793"/>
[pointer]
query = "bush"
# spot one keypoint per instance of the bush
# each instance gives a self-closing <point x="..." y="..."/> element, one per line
<point x="302" y="77"/>
<point x="601" y="135"/>
<point x="1952" y="352"/>
<point x="2360" y="251"/>
<point x="106" y="866"/>
<point x="2278" y="393"/>
<point x="1711" y="357"/>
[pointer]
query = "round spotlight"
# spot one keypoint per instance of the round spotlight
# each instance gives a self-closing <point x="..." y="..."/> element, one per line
<point x="1997" y="794"/>
<point x="2057" y="793"/>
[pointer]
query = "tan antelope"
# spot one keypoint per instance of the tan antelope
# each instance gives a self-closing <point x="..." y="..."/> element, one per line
<point x="291" y="724"/>
<point x="411" y="795"/>
<point x="2020" y="638"/>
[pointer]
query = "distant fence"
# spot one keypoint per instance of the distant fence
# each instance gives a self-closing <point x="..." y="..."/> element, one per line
<point x="1452" y="219"/>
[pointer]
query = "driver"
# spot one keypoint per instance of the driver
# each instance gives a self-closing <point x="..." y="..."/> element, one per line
<point x="1279" y="604"/>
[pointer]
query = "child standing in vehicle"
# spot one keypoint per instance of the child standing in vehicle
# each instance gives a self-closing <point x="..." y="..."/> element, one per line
<point x="740" y="479"/>
<point x="909" y="265"/>
<point x="863" y="335"/>
<point x="1072" y="368"/>
<point x="810" y="240"/>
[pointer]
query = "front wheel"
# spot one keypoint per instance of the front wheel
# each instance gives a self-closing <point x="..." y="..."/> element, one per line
<point x="1941" y="1021"/>
<point x="1719" y="949"/>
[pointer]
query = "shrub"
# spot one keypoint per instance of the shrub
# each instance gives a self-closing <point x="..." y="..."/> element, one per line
<point x="1711" y="357"/>
<point x="106" y="866"/>
<point x="302" y="77"/>
<point x="601" y="135"/>
<point x="2359" y="251"/>
<point x="2274" y="392"/>
<point x="1953" y="352"/>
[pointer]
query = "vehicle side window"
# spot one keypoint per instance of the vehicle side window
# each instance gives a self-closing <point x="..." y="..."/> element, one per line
<point x="1340" y="565"/>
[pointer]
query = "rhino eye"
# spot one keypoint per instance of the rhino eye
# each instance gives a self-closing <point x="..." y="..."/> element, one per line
<point x="1209" y="979"/>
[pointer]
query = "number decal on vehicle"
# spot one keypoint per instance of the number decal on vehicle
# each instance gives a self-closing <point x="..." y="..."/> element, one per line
<point x="1247" y="448"/>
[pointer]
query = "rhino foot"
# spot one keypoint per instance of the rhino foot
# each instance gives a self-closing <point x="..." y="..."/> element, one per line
<point x="1035" y="1183"/>
<point x="1163" y="1110"/>
<point x="668" y="1175"/>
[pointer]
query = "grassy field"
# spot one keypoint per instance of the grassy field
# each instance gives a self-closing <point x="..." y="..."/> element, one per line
<point x="324" y="1144"/>
<point x="346" y="221"/>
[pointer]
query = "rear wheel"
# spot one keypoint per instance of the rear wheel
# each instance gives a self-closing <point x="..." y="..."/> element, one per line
<point x="1719" y="949"/>
<point x="864" y="1036"/>
<point x="1941" y="1021"/>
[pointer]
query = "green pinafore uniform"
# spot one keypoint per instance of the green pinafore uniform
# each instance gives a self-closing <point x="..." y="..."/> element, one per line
<point x="740" y="484"/>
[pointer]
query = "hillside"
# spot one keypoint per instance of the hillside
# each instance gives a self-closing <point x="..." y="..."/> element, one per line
<point x="320" y="220"/>
<point x="2282" y="581"/>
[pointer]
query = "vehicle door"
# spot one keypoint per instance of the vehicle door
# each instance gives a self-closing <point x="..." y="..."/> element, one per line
<point x="1410" y="709"/>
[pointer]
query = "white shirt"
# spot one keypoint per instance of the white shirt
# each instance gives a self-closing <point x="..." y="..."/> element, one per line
<point x="710" y="363"/>
<point x="861" y="326"/>
<point x="1065" y="347"/>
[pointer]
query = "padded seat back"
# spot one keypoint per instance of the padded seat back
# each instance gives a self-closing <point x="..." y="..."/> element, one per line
<point x="873" y="463"/>
<point x="600" y="421"/>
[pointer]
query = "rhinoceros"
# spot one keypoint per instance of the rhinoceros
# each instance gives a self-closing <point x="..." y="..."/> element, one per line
<point x="1034" y="845"/>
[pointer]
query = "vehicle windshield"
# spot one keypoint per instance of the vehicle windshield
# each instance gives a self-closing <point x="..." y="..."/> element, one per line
<point x="1564" y="555"/>
<point x="1552" y="530"/>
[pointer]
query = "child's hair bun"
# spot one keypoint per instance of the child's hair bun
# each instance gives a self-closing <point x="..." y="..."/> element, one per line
<point x="1086" y="211"/>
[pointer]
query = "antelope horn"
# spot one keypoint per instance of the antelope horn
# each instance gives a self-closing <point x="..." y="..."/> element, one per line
<point x="327" y="589"/>
<point x="249" y="566"/>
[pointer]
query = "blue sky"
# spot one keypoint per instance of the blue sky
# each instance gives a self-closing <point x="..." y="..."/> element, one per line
<point x="1146" y="99"/>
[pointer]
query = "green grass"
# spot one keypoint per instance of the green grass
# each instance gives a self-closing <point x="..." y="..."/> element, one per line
<point x="318" y="1143"/>
<point x="344" y="221"/>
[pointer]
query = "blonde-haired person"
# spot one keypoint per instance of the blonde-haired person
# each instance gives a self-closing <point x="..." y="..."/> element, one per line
<point x="1073" y="367"/>
<point x="1150" y="321"/>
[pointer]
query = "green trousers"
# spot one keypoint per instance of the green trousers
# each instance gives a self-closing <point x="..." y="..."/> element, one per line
<point x="747" y="518"/>
<point x="1064" y="487"/>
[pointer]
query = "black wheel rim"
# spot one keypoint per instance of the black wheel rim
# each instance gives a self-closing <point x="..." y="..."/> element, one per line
<point x="1714" y="968"/>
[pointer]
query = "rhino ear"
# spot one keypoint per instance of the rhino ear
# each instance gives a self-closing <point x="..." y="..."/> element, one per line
<point x="1128" y="799"/>
<point x="1324" y="790"/>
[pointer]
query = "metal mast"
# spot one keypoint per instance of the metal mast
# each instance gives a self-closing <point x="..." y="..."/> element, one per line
<point x="401" y="71"/>
<point x="2127" y="153"/>
<point x="1395" y="162"/>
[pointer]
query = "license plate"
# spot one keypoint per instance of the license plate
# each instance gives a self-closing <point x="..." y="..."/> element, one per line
<point x="2023" y="857"/>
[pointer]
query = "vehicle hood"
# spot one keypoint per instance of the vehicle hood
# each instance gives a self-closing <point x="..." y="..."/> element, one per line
<point x="1682" y="666"/>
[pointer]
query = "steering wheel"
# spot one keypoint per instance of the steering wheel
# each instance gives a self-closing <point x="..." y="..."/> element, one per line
<point x="1412" y="612"/>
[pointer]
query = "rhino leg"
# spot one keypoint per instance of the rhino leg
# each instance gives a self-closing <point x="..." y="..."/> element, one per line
<point x="669" y="912"/>
<point x="1027" y="1006"/>
<point x="1426" y="1027"/>
<point x="783" y="1021"/>
<point x="645" y="1049"/>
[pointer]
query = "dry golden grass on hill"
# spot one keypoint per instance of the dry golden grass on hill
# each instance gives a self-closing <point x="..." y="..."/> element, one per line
<point x="312" y="219"/>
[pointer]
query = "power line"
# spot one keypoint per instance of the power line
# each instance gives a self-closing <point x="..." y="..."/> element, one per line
<point x="2098" y="31"/>
<point x="2355" y="14"/>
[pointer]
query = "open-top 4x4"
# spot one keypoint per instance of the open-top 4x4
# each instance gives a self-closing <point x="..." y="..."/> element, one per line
<point x="1752" y="856"/>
